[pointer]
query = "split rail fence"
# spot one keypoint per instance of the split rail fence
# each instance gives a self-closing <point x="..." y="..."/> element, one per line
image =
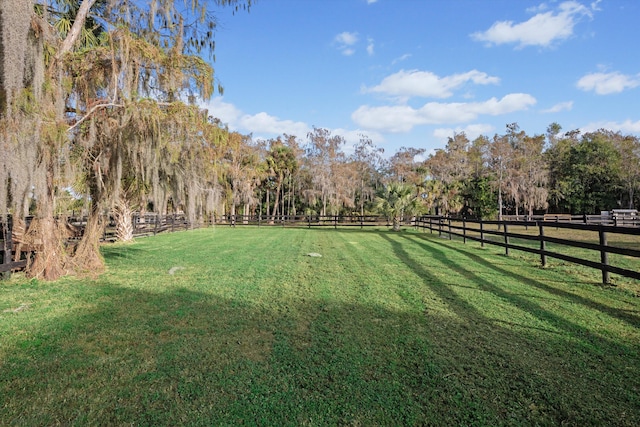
<point x="590" y="245"/>
<point x="151" y="224"/>
<point x="524" y="234"/>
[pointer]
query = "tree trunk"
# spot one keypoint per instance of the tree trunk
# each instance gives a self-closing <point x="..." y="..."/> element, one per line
<point x="76" y="29"/>
<point x="87" y="257"/>
<point x="324" y="205"/>
<point x="290" y="190"/>
<point x="361" y="197"/>
<point x="123" y="216"/>
<point x="293" y="202"/>
<point x="276" y="202"/>
<point x="396" y="223"/>
<point x="268" y="212"/>
<point x="47" y="237"/>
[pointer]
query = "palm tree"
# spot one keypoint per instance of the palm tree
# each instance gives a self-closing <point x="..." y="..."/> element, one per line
<point x="397" y="200"/>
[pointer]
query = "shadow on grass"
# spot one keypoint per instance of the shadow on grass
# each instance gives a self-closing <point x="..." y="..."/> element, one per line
<point x="180" y="357"/>
<point x="624" y="315"/>
<point x="113" y="251"/>
<point x="551" y="371"/>
<point x="185" y="357"/>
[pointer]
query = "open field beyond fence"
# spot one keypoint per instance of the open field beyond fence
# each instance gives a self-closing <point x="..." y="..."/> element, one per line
<point x="248" y="325"/>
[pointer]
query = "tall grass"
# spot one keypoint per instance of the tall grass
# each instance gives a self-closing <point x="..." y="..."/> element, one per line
<point x="241" y="326"/>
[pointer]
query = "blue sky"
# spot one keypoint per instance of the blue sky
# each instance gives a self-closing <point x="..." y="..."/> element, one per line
<point x="412" y="72"/>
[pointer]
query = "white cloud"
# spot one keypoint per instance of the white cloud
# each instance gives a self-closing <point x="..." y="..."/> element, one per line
<point x="227" y="113"/>
<point x="388" y="118"/>
<point x="626" y="127"/>
<point x="260" y="123"/>
<point x="471" y="131"/>
<point x="346" y="41"/>
<point x="561" y="106"/>
<point x="537" y="9"/>
<point x="543" y="29"/>
<point x="265" y="123"/>
<point x="265" y="126"/>
<point x="352" y="137"/>
<point x="370" y="47"/>
<point x="401" y="58"/>
<point x="607" y="83"/>
<point x="347" y="38"/>
<point x="402" y="118"/>
<point x="427" y="84"/>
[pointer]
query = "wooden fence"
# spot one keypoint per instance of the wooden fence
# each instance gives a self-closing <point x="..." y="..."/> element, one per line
<point x="616" y="220"/>
<point x="538" y="232"/>
<point x="151" y="223"/>
<point x="7" y="263"/>
<point x="498" y="233"/>
<point x="305" y="221"/>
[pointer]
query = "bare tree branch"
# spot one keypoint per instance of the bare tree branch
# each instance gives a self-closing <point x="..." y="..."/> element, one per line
<point x="76" y="29"/>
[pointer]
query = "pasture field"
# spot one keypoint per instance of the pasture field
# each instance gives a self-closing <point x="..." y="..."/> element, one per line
<point x="240" y="326"/>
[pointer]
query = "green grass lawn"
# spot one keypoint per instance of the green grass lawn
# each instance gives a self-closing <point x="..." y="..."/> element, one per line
<point x="227" y="326"/>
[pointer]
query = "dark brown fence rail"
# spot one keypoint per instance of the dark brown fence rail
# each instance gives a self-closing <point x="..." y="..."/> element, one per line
<point x="523" y="235"/>
<point x="614" y="219"/>
<point x="306" y="221"/>
<point x="8" y="262"/>
<point x="538" y="235"/>
<point x="151" y="223"/>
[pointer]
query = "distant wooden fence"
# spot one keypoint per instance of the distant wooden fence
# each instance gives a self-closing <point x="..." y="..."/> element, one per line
<point x="305" y="221"/>
<point x="151" y="223"/>
<point x="497" y="233"/>
<point x="616" y="220"/>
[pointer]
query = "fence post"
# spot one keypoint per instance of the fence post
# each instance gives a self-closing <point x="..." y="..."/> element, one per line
<point x="604" y="255"/>
<point x="7" y="240"/>
<point x="543" y="245"/>
<point x="481" y="234"/>
<point x="506" y="239"/>
<point x="449" y="220"/>
<point x="335" y="222"/>
<point x="439" y="226"/>
<point x="464" y="231"/>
